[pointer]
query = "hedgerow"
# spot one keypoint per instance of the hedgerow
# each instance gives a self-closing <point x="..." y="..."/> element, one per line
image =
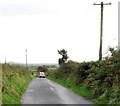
<point x="102" y="77"/>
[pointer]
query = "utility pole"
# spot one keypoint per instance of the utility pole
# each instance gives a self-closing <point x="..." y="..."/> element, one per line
<point x="101" y="27"/>
<point x="119" y="25"/>
<point x="26" y="56"/>
<point x="5" y="59"/>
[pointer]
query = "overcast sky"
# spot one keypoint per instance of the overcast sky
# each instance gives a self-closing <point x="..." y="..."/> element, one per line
<point x="43" y="26"/>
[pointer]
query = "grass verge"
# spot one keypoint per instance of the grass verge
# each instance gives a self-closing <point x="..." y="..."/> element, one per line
<point x="15" y="79"/>
<point x="81" y="90"/>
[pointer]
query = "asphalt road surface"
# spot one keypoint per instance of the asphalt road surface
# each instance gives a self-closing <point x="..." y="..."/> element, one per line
<point x="44" y="91"/>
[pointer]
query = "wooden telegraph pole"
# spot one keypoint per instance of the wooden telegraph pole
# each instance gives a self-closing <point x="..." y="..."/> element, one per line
<point x="101" y="27"/>
<point x="5" y="60"/>
<point x="26" y="56"/>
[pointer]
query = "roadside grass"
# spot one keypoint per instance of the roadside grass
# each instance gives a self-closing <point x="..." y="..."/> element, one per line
<point x="81" y="90"/>
<point x="15" y="80"/>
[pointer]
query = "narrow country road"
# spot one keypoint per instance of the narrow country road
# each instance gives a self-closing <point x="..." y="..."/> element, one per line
<point x="44" y="91"/>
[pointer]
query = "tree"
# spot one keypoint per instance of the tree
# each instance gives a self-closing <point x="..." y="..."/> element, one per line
<point x="41" y="69"/>
<point x="64" y="58"/>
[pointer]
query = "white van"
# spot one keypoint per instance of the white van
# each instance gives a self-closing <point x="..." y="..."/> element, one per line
<point x="42" y="75"/>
